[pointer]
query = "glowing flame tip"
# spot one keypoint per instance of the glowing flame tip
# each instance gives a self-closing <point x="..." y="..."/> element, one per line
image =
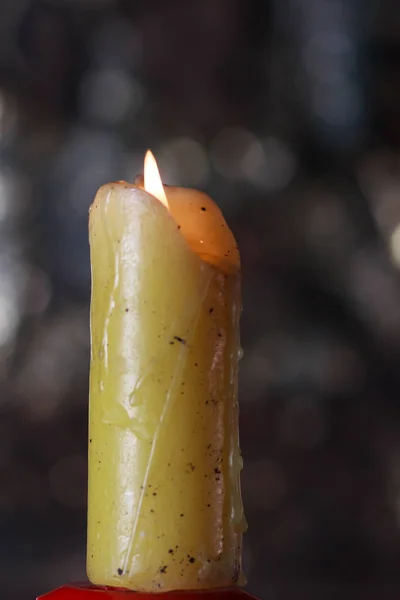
<point x="152" y="180"/>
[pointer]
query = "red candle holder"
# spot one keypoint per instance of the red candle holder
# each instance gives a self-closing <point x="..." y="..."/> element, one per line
<point x="93" y="592"/>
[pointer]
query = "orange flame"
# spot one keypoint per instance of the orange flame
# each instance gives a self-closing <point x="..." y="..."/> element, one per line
<point x="152" y="180"/>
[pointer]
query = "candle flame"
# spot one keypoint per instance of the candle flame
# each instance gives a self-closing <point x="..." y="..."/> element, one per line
<point x="152" y="179"/>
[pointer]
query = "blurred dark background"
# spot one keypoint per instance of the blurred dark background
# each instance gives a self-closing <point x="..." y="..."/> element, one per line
<point x="287" y="113"/>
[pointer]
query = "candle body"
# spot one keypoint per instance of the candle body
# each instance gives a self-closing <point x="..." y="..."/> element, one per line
<point x="164" y="502"/>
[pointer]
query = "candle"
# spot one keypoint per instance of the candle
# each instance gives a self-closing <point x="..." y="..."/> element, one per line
<point x="164" y="504"/>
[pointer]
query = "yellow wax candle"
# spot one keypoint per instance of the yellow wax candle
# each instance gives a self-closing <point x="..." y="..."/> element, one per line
<point x="165" y="509"/>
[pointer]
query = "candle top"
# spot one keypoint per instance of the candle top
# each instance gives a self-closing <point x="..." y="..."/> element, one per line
<point x="202" y="224"/>
<point x="199" y="220"/>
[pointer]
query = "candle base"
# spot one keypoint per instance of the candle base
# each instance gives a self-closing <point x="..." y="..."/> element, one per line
<point x="93" y="592"/>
